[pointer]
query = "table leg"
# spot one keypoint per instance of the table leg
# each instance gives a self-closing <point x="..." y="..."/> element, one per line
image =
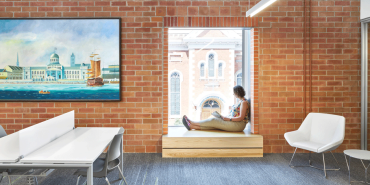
<point x="121" y="157"/>
<point x="365" y="171"/>
<point x="90" y="175"/>
<point x="349" y="169"/>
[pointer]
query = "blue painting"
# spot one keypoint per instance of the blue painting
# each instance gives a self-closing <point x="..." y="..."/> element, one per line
<point x="60" y="59"/>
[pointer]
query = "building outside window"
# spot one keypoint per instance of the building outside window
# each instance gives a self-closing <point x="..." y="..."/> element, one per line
<point x="202" y="70"/>
<point x="220" y="70"/>
<point x="211" y="65"/>
<point x="175" y="93"/>
<point x="205" y="54"/>
<point x="239" y="79"/>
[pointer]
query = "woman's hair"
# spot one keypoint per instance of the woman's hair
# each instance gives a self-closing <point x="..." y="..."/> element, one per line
<point x="239" y="91"/>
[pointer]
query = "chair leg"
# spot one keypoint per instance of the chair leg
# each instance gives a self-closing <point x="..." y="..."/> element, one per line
<point x="122" y="175"/>
<point x="309" y="162"/>
<point x="35" y="180"/>
<point x="292" y="158"/>
<point x="106" y="179"/>
<point x="335" y="160"/>
<point x="78" y="179"/>
<point x="323" y="159"/>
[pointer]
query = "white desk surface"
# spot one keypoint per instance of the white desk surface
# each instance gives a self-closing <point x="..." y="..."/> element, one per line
<point x="81" y="145"/>
<point x="9" y="148"/>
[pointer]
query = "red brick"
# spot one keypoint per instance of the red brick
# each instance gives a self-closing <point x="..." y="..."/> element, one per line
<point x="183" y="3"/>
<point x="6" y="3"/>
<point x="37" y="4"/>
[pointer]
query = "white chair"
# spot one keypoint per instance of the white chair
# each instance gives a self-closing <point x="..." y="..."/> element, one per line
<point x="102" y="166"/>
<point x="318" y="133"/>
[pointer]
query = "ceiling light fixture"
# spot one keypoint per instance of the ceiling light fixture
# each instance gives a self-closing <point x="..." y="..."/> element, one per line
<point x="259" y="7"/>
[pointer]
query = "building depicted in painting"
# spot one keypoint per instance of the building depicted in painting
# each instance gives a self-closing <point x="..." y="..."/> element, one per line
<point x="204" y="66"/>
<point x="17" y="60"/>
<point x="111" y="74"/>
<point x="72" y="60"/>
<point x="53" y="71"/>
<point x="11" y="73"/>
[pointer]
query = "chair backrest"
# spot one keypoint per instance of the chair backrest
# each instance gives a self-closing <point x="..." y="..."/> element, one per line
<point x="2" y="132"/>
<point x="324" y="127"/>
<point x="121" y="130"/>
<point x="115" y="147"/>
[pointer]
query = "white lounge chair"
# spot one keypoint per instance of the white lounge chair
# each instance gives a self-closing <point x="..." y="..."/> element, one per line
<point x="318" y="133"/>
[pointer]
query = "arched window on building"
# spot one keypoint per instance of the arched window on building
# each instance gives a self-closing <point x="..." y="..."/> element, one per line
<point x="202" y="70"/>
<point x="211" y="104"/>
<point x="239" y="79"/>
<point x="211" y="65"/>
<point x="220" y="70"/>
<point x="208" y="107"/>
<point x="175" y="93"/>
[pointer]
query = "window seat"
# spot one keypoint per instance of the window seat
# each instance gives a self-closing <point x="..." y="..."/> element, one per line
<point x="179" y="142"/>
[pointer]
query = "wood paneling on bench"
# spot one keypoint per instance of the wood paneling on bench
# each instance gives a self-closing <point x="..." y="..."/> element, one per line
<point x="180" y="142"/>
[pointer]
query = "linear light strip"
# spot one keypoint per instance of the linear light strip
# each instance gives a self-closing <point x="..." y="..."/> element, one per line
<point x="259" y="7"/>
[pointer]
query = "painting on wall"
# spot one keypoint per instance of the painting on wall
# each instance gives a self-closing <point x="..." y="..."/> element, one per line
<point x="60" y="59"/>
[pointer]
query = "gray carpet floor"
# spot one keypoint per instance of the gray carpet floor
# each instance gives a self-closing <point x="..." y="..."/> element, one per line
<point x="152" y="169"/>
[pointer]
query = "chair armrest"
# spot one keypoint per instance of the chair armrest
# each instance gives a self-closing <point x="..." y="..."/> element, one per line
<point x="294" y="136"/>
<point x="330" y="146"/>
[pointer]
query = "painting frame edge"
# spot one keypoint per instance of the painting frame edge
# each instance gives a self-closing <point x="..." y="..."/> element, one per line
<point x="78" y="18"/>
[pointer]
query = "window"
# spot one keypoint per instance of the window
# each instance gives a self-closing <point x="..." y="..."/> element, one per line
<point x="175" y="93"/>
<point x="202" y="70"/>
<point x="213" y="61"/>
<point x="239" y="79"/>
<point x="220" y="70"/>
<point x="211" y="104"/>
<point x="211" y="66"/>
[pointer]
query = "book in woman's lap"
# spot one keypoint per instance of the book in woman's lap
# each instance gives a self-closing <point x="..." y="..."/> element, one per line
<point x="216" y="114"/>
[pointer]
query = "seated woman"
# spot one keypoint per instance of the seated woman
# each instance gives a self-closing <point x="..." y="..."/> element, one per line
<point x="235" y="122"/>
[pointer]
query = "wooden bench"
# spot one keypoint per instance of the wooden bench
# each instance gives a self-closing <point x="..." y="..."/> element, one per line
<point x="179" y="142"/>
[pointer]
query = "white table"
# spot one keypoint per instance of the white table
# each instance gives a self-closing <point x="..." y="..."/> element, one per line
<point x="358" y="154"/>
<point x="11" y="153"/>
<point x="78" y="148"/>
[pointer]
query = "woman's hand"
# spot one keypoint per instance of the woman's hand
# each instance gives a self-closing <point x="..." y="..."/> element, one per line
<point x="226" y="119"/>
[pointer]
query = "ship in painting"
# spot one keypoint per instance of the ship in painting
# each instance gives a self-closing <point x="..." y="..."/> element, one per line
<point x="94" y="78"/>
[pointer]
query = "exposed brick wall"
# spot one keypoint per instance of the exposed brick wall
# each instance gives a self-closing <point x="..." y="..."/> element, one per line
<point x="335" y="67"/>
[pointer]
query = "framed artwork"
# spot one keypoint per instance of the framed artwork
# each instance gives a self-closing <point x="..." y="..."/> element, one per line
<point x="60" y="59"/>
